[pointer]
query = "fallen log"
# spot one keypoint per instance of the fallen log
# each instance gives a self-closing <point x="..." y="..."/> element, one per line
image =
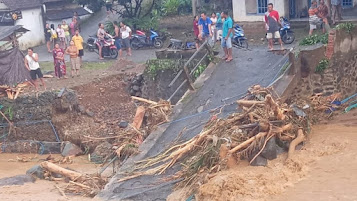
<point x="249" y="103"/>
<point x="247" y="142"/>
<point x="299" y="139"/>
<point x="72" y="175"/>
<point x="144" y="100"/>
<point x="139" y="117"/>
<point x="275" y="107"/>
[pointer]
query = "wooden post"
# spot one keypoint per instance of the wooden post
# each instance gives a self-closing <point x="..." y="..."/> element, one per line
<point x="188" y="77"/>
<point x="194" y="7"/>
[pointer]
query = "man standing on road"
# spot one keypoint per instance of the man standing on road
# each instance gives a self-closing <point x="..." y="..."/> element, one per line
<point x="78" y="42"/>
<point x="117" y="35"/>
<point x="204" y="25"/>
<point x="48" y="37"/>
<point x="101" y="34"/>
<point x="227" y="37"/>
<point x="336" y="11"/>
<point x="31" y="63"/>
<point x="125" y="33"/>
<point x="272" y="21"/>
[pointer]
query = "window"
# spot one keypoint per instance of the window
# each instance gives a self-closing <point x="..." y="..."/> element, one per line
<point x="347" y="3"/>
<point x="262" y="6"/>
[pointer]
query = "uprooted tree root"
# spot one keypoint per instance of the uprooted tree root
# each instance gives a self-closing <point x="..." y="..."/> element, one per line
<point x="223" y="142"/>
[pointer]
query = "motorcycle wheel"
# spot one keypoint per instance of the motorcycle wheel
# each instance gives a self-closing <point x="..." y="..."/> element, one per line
<point x="114" y="53"/>
<point x="158" y="43"/>
<point x="288" y="38"/>
<point x="243" y="44"/>
<point x="135" y="44"/>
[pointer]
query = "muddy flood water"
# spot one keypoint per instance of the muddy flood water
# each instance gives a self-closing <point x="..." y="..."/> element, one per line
<point x="326" y="171"/>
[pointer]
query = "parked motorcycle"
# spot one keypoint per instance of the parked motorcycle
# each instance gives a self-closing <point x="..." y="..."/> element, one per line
<point x="177" y="44"/>
<point x="109" y="49"/>
<point x="286" y="34"/>
<point x="239" y="39"/>
<point x="140" y="40"/>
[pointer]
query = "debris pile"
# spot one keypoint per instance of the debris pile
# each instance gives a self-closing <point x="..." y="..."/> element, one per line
<point x="12" y="92"/>
<point x="149" y="115"/>
<point x="224" y="142"/>
<point x="78" y="183"/>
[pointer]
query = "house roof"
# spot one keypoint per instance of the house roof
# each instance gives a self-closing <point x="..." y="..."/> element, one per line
<point x="6" y="31"/>
<point x="22" y="4"/>
<point x="65" y="14"/>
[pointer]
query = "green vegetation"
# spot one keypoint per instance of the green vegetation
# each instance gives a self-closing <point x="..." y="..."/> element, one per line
<point x="322" y="66"/>
<point x="199" y="70"/>
<point x="314" y="39"/>
<point x="48" y="66"/>
<point x="156" y="65"/>
<point x="346" y="26"/>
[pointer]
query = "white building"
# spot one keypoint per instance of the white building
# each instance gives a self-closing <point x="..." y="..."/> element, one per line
<point x="31" y="12"/>
<point x="34" y="14"/>
<point x="253" y="10"/>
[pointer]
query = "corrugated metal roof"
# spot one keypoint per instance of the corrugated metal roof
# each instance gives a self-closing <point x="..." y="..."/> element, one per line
<point x="22" y="4"/>
<point x="65" y="14"/>
<point x="6" y="31"/>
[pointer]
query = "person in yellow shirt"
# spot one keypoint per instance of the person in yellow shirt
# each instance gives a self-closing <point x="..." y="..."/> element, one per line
<point x="65" y="27"/>
<point x="78" y="42"/>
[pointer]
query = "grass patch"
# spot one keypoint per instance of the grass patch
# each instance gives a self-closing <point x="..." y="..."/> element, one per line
<point x="314" y="39"/>
<point x="322" y="66"/>
<point x="48" y="65"/>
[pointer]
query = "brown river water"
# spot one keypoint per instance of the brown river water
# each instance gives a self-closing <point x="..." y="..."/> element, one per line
<point x="326" y="170"/>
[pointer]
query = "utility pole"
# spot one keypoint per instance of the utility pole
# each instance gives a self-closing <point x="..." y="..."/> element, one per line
<point x="194" y="7"/>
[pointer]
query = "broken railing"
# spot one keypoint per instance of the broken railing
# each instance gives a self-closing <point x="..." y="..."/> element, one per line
<point x="189" y="72"/>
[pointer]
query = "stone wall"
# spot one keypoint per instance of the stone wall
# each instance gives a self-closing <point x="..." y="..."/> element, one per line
<point x="339" y="77"/>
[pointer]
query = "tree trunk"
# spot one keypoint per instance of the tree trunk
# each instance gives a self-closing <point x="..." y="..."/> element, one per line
<point x="72" y="175"/>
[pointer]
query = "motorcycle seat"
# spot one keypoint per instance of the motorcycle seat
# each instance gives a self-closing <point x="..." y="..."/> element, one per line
<point x="175" y="41"/>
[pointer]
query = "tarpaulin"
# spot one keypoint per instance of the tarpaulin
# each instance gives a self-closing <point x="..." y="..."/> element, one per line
<point x="12" y="68"/>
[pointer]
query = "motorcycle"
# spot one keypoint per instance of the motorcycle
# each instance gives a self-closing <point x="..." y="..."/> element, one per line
<point x="286" y="34"/>
<point x="239" y="39"/>
<point x="140" y="40"/>
<point x="177" y="44"/>
<point x="109" y="50"/>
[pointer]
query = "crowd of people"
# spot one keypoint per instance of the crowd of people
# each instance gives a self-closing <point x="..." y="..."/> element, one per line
<point x="218" y="27"/>
<point x="318" y="15"/>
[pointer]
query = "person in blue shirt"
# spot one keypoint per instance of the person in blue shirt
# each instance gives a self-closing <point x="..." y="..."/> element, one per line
<point x="227" y="36"/>
<point x="204" y="24"/>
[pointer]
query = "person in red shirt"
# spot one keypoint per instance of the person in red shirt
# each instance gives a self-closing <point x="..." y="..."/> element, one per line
<point x="272" y="21"/>
<point x="196" y="30"/>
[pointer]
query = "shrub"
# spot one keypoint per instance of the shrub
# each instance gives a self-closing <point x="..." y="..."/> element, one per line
<point x="322" y="66"/>
<point x="314" y="39"/>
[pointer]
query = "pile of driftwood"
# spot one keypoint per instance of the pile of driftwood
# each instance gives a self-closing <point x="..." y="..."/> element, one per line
<point x="223" y="142"/>
<point x="78" y="183"/>
<point x="12" y="92"/>
<point x="149" y="115"/>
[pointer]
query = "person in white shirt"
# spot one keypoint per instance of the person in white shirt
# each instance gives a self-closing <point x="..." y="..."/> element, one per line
<point x="125" y="33"/>
<point x="62" y="36"/>
<point x="31" y="63"/>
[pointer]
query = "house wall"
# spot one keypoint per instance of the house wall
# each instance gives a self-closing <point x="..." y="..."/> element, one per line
<point x="31" y="20"/>
<point x="68" y="20"/>
<point x="2" y="6"/>
<point x="246" y="10"/>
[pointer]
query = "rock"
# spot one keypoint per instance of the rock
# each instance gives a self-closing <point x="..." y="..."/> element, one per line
<point x="259" y="161"/>
<point x="132" y="92"/>
<point x="81" y="109"/>
<point x="70" y="149"/>
<point x="36" y="171"/>
<point x="200" y="109"/>
<point x="50" y="148"/>
<point x="101" y="152"/>
<point x="138" y="94"/>
<point x="280" y="150"/>
<point x="123" y="124"/>
<point x="90" y="113"/>
<point x="269" y="151"/>
<point x="16" y="180"/>
<point x="136" y="88"/>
